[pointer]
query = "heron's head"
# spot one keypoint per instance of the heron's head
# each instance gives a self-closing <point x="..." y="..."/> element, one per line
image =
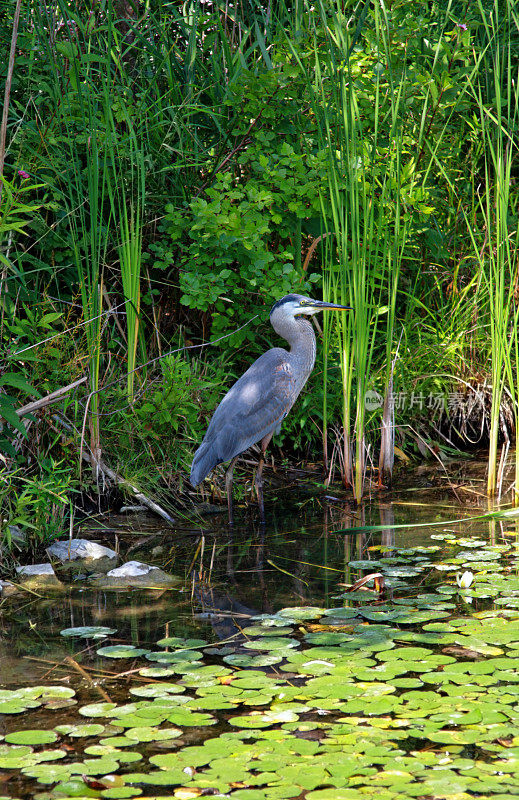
<point x="293" y="305"/>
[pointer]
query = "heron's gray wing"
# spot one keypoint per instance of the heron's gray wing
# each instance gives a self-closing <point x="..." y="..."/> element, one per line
<point x="254" y="407"/>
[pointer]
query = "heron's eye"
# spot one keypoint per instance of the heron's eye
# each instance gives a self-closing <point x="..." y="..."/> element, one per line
<point x="303" y="303"/>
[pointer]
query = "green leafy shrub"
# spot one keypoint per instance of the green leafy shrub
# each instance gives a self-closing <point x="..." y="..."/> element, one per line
<point x="169" y="415"/>
<point x="39" y="505"/>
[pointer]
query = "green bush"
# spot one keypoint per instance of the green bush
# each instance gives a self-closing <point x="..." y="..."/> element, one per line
<point x="39" y="505"/>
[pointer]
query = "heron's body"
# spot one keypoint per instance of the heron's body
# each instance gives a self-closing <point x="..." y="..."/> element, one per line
<point x="254" y="408"/>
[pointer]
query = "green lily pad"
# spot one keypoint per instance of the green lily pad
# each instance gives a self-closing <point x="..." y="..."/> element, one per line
<point x="149" y="734"/>
<point x="88" y="632"/>
<point x="121" y="792"/>
<point x="31" y="737"/>
<point x="301" y="612"/>
<point x="79" y="731"/>
<point x="175" y="656"/>
<point x="157" y="690"/>
<point x="189" y="718"/>
<point x="259" y="720"/>
<point x="266" y="660"/>
<point x="97" y="709"/>
<point x="267" y="630"/>
<point x="157" y="672"/>
<point x="122" y="651"/>
<point x="326" y="637"/>
<point x="180" y="643"/>
<point x="455" y="736"/>
<point x="342" y="612"/>
<point x="271" y="643"/>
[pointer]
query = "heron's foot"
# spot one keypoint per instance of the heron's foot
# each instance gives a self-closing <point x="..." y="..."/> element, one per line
<point x="230" y="509"/>
<point x="261" y="505"/>
<point x="259" y="492"/>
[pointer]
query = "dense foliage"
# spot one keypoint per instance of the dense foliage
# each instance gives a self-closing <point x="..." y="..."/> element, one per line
<point x="170" y="172"/>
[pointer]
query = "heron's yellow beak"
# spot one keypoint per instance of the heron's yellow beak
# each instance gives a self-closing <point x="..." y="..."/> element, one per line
<point x="320" y="305"/>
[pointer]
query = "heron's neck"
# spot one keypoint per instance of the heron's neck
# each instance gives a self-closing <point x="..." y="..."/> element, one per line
<point x="299" y="333"/>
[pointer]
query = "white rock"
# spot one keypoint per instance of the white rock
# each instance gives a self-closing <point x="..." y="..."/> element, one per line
<point x="39" y="577"/>
<point x="7" y="588"/>
<point x="72" y="549"/>
<point x="35" y="569"/>
<point x="131" y="569"/>
<point x="136" y="575"/>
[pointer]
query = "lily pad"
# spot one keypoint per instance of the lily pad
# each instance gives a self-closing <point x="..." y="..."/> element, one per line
<point x="301" y="613"/>
<point x="88" y="632"/>
<point x="122" y="651"/>
<point x="178" y="642"/>
<point x="31" y="737"/>
<point x="266" y="660"/>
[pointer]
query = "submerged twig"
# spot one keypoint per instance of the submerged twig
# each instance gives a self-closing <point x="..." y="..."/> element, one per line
<point x="84" y="674"/>
<point x="102" y="674"/>
<point x="61" y="665"/>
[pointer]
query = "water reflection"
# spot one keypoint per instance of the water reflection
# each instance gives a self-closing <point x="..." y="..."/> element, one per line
<point x="300" y="558"/>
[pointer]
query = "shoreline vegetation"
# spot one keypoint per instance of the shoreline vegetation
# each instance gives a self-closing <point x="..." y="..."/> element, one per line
<point x="167" y="173"/>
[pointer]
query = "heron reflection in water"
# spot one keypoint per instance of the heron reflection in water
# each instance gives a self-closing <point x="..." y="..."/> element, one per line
<point x="254" y="408"/>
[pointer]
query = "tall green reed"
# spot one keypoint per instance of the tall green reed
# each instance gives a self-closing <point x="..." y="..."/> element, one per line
<point x="490" y="296"/>
<point x="75" y="145"/>
<point x="493" y="227"/>
<point x="382" y="118"/>
<point x="127" y="191"/>
<point x="362" y="207"/>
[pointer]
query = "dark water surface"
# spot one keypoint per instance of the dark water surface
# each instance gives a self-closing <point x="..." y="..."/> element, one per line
<point x="310" y="546"/>
<point x="299" y="559"/>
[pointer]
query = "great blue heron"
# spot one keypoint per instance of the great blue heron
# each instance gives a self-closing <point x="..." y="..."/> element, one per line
<point x="254" y="408"/>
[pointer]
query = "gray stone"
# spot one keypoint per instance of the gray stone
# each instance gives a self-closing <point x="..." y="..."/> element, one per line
<point x="82" y="555"/>
<point x="135" y="574"/>
<point x="13" y="536"/>
<point x="17" y="535"/>
<point x="38" y="576"/>
<point x="7" y="588"/>
<point x="35" y="569"/>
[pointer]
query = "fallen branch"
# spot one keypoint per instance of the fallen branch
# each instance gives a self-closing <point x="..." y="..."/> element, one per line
<point x="53" y="397"/>
<point x="93" y="671"/>
<point x="73" y="663"/>
<point x="120" y="481"/>
<point x="104" y="468"/>
<point x="97" y="674"/>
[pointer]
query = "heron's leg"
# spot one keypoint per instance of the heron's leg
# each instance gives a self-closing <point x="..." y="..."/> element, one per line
<point x="228" y="488"/>
<point x="259" y="475"/>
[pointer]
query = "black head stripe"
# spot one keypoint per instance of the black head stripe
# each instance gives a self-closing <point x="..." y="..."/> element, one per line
<point x="288" y="298"/>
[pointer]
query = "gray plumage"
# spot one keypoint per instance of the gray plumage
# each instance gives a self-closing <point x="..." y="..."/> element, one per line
<point x="254" y="408"/>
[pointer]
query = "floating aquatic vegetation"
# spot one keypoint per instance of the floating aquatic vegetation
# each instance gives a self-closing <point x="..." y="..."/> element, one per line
<point x="122" y="651"/>
<point x="18" y="700"/>
<point x="88" y="632"/>
<point x="416" y="696"/>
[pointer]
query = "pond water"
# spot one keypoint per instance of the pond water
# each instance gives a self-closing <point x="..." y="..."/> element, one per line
<point x="261" y="675"/>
